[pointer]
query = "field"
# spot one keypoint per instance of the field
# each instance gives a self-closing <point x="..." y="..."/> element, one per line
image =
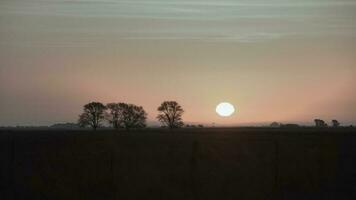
<point x="235" y="163"/>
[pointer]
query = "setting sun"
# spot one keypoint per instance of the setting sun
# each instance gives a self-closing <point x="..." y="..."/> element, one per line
<point x="225" y="109"/>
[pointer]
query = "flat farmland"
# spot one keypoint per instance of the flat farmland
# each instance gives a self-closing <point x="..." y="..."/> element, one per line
<point x="216" y="163"/>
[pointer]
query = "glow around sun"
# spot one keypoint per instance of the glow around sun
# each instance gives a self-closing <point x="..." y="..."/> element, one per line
<point x="225" y="109"/>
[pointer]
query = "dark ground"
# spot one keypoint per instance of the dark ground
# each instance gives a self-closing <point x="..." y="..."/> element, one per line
<point x="239" y="164"/>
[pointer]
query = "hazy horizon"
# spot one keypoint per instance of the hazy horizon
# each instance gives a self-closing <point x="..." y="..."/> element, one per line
<point x="281" y="60"/>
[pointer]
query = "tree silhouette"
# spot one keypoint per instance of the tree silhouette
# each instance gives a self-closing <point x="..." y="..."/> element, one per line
<point x="335" y="123"/>
<point x="275" y="125"/>
<point x="93" y="115"/>
<point x="126" y="115"/>
<point x="170" y="114"/>
<point x="115" y="114"/>
<point x="133" y="116"/>
<point x="320" y="123"/>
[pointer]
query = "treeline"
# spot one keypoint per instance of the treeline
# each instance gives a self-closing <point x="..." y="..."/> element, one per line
<point x="124" y="115"/>
<point x="318" y="123"/>
<point x="322" y="123"/>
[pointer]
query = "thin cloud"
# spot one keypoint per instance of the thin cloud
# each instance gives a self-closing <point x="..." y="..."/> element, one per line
<point x="225" y="20"/>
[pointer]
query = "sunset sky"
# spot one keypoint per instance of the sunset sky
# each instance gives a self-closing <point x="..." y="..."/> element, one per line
<point x="276" y="60"/>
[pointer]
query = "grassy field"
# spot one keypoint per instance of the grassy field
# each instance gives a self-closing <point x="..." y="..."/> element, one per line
<point x="235" y="163"/>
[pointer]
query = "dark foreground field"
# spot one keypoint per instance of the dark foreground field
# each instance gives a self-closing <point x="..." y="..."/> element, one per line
<point x="239" y="164"/>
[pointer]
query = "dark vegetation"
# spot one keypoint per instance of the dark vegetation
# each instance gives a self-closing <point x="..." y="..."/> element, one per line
<point x="235" y="163"/>
<point x="170" y="114"/>
<point x="124" y="161"/>
<point x="122" y="115"/>
<point x="318" y="124"/>
<point x="128" y="116"/>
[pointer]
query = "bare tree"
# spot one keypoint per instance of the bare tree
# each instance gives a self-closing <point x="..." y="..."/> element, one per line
<point x="115" y="114"/>
<point x="133" y="116"/>
<point x="170" y="114"/>
<point x="335" y="123"/>
<point x="126" y="115"/>
<point x="93" y="115"/>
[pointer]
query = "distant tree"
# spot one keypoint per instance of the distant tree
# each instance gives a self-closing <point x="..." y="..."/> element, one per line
<point x="320" y="123"/>
<point x="67" y="125"/>
<point x="93" y="115"/>
<point x="335" y="123"/>
<point x="133" y="116"/>
<point x="194" y="126"/>
<point x="275" y="125"/>
<point x="170" y="114"/>
<point x="115" y="114"/>
<point x="289" y="125"/>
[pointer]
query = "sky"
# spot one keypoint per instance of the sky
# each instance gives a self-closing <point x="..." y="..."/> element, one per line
<point x="278" y="60"/>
